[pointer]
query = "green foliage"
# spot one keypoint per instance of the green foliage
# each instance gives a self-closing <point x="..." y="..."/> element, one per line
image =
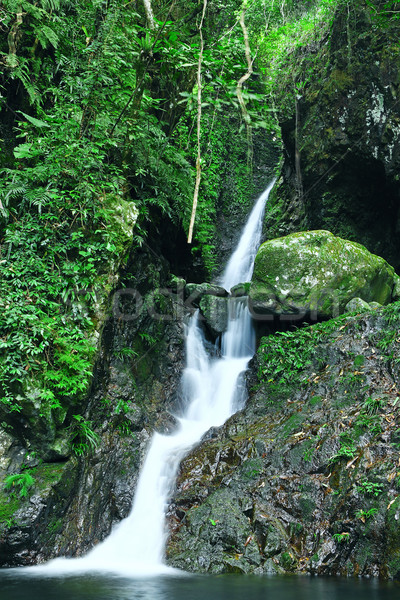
<point x="359" y="361"/>
<point x="370" y="488"/>
<point x="85" y="439"/>
<point x="373" y="404"/>
<point x="148" y="339"/>
<point x="286" y="33"/>
<point x="364" y="422"/>
<point x="342" y="538"/>
<point x="19" y="483"/>
<point x="383" y="11"/>
<point x="346" y="451"/>
<point x="284" y="355"/>
<point x="125" y="353"/>
<point x="76" y="67"/>
<point x="364" y="515"/>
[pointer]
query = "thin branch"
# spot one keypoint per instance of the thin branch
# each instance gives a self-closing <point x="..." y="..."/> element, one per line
<point x="141" y="81"/>
<point x="198" y="160"/>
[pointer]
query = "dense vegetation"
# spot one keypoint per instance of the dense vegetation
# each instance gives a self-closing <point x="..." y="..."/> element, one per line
<point x="97" y="121"/>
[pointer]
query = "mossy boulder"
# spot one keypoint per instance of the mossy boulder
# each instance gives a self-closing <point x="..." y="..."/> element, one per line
<point x="240" y="289"/>
<point x="314" y="274"/>
<point x="357" y="304"/>
<point x="396" y="288"/>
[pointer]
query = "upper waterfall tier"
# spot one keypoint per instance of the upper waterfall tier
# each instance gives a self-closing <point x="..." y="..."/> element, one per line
<point x="240" y="266"/>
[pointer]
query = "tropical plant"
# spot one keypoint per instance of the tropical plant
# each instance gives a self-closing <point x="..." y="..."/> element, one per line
<point x="19" y="483"/>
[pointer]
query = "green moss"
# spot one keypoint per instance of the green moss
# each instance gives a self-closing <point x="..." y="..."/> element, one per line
<point x="314" y="400"/>
<point x="251" y="468"/>
<point x="287" y="561"/>
<point x="307" y="506"/>
<point x="48" y="474"/>
<point x="8" y="506"/>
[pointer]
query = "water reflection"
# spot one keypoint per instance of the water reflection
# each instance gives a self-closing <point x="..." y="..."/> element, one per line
<point x="17" y="586"/>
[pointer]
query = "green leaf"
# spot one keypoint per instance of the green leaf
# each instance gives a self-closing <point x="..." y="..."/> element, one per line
<point x="34" y="121"/>
<point x="25" y="151"/>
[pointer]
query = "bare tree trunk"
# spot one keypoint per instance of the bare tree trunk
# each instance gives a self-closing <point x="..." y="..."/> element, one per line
<point x="198" y="160"/>
<point x="149" y="14"/>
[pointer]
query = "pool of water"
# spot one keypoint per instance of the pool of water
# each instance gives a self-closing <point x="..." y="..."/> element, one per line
<point x="17" y="585"/>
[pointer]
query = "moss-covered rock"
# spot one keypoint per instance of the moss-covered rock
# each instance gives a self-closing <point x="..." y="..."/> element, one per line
<point x="357" y="304"/>
<point x="215" y="313"/>
<point x="314" y="274"/>
<point x="240" y="289"/>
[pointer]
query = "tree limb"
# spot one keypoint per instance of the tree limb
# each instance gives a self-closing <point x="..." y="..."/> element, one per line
<point x="12" y="38"/>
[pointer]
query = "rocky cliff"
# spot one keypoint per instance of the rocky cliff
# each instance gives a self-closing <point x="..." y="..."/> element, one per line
<point x="341" y="153"/>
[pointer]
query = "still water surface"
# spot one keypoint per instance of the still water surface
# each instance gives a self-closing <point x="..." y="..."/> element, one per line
<point x="17" y="586"/>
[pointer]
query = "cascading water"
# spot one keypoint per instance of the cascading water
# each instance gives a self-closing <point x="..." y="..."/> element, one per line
<point x="211" y="391"/>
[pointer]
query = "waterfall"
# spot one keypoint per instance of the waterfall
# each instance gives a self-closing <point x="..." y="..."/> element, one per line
<point x="211" y="390"/>
<point x="240" y="266"/>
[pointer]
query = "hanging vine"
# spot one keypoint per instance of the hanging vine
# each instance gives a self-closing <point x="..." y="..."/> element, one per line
<point x="240" y="83"/>
<point x="198" y="160"/>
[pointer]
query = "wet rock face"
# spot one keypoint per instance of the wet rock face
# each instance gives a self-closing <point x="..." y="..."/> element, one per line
<point x="195" y="292"/>
<point x="306" y="478"/>
<point x="315" y="275"/>
<point x="348" y="139"/>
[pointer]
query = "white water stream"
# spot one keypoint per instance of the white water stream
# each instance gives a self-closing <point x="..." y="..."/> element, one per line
<point x="211" y="389"/>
